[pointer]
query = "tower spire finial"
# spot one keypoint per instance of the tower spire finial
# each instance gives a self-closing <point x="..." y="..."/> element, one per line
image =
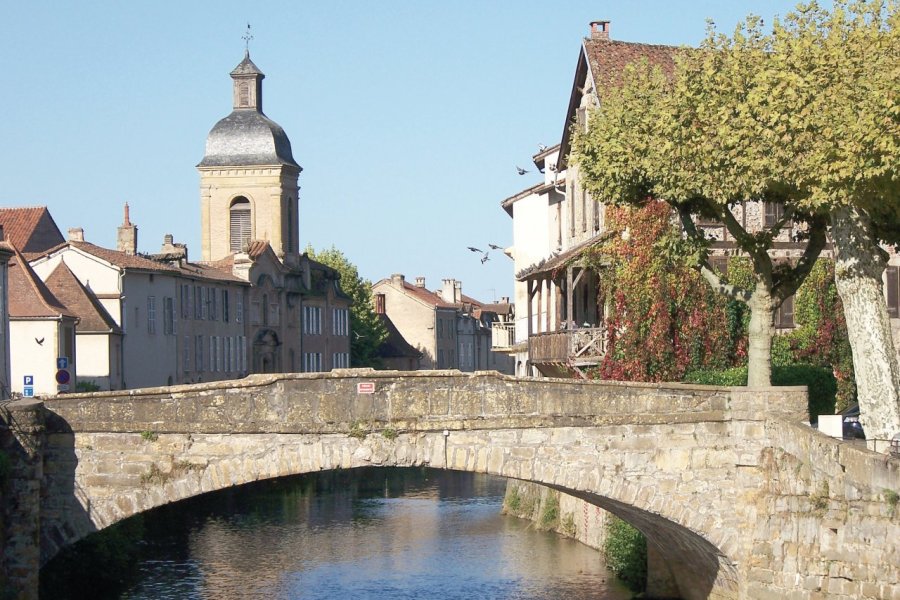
<point x="247" y="37"/>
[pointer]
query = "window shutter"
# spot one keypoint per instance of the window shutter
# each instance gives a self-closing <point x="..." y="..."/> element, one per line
<point x="240" y="229"/>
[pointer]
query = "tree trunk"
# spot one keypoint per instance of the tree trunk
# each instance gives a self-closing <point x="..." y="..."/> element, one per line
<point x="759" y="334"/>
<point x="858" y="266"/>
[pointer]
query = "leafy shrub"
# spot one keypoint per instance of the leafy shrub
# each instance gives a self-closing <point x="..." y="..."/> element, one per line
<point x="626" y="553"/>
<point x="87" y="386"/>
<point x="820" y="381"/>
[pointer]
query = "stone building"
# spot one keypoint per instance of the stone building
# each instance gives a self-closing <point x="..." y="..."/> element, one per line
<point x="299" y="316"/>
<point x="6" y="253"/>
<point x="449" y="329"/>
<point x="559" y="326"/>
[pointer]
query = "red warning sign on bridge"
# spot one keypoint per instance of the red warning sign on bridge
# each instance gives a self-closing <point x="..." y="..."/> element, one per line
<point x="365" y="387"/>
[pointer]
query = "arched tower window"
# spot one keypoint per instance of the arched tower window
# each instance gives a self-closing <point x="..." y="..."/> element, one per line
<point x="240" y="224"/>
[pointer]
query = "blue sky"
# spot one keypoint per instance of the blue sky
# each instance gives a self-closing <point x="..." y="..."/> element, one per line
<point x="408" y="117"/>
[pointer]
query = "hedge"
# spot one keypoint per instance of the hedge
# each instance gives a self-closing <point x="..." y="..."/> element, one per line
<point x="820" y="381"/>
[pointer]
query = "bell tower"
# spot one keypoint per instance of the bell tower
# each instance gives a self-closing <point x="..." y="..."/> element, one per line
<point x="248" y="176"/>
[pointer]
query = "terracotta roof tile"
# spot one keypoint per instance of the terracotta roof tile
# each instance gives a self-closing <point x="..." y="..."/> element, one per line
<point x="80" y="300"/>
<point x="608" y="58"/>
<point x="28" y="295"/>
<point x="30" y="229"/>
<point x="120" y="259"/>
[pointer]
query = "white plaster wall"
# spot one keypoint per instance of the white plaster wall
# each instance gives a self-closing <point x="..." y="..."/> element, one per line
<point x="95" y="359"/>
<point x="150" y="359"/>
<point x="27" y="357"/>
<point x="415" y="322"/>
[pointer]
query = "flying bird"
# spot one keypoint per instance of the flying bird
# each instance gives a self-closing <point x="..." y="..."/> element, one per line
<point x="542" y="147"/>
<point x="521" y="170"/>
<point x="39" y="341"/>
<point x="485" y="258"/>
<point x="474" y="249"/>
<point x="495" y="247"/>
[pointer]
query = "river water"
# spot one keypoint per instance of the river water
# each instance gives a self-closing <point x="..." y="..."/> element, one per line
<point x="368" y="533"/>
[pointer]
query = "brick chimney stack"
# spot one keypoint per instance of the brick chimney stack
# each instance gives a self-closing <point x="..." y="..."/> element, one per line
<point x="600" y="30"/>
<point x="76" y="234"/>
<point x="126" y="241"/>
<point x="420" y="282"/>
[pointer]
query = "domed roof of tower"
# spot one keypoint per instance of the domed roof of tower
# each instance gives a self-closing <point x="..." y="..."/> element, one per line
<point x="247" y="137"/>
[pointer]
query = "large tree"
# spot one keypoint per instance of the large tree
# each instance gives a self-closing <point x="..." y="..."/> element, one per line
<point x="842" y="134"/>
<point x="367" y="332"/>
<point x="696" y="140"/>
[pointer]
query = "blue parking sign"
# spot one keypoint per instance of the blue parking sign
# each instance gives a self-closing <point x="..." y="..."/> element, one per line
<point x="29" y="380"/>
<point x="28" y="391"/>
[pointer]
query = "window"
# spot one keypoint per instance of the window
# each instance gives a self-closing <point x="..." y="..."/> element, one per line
<point x="240" y="224"/>
<point x="274" y="314"/>
<point x="198" y="352"/>
<point x="169" y="315"/>
<point x="239" y="308"/>
<point x="440" y="364"/>
<point x="264" y="307"/>
<point x="340" y="360"/>
<point x="254" y="312"/>
<point x="151" y="314"/>
<point x="340" y="321"/>
<point x="185" y="301"/>
<point x="312" y="362"/>
<point x="186" y="354"/>
<point x="312" y="320"/>
<point x="211" y="306"/>
<point x="244" y="94"/>
<point x="892" y="276"/>
<point x="440" y="323"/>
<point x="225" y="306"/>
<point x="242" y="353"/>
<point x="212" y="353"/>
<point x="198" y="302"/>
<point x="774" y="211"/>
<point x="784" y="315"/>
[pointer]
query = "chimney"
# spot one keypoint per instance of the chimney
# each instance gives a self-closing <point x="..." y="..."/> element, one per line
<point x="420" y="282"/>
<point x="504" y="299"/>
<point x="379" y="304"/>
<point x="172" y="250"/>
<point x="451" y="291"/>
<point x="126" y="241"/>
<point x="398" y="280"/>
<point x="600" y="30"/>
<point x="76" y="234"/>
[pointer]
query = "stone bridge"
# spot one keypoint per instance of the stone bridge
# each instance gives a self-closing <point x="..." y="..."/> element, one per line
<point x="736" y="494"/>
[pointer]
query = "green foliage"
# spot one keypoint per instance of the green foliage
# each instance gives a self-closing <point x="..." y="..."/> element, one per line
<point x="86" y="386"/>
<point x="149" y="436"/>
<point x="550" y="512"/>
<point x="819" y="498"/>
<point x="390" y="433"/>
<point x="513" y="501"/>
<point x="367" y="332"/>
<point x="625" y="549"/>
<point x="820" y="381"/>
<point x="357" y="430"/>
<point x="892" y="498"/>
<point x="104" y="563"/>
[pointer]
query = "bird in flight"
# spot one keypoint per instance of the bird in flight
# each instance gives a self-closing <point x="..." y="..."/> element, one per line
<point x="542" y="147"/>
<point x="474" y="249"/>
<point x="495" y="247"/>
<point x="521" y="170"/>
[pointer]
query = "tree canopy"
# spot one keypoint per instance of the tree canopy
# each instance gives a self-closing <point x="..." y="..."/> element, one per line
<point x="367" y="332"/>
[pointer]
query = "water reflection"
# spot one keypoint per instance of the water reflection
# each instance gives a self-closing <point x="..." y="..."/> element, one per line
<point x="370" y="533"/>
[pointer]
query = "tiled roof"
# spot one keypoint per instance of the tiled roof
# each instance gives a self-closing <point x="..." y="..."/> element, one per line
<point x="30" y="229"/>
<point x="218" y="271"/>
<point x="80" y="301"/>
<point x="257" y="248"/>
<point x="431" y="298"/>
<point x="554" y="263"/>
<point x="122" y="260"/>
<point x="605" y="61"/>
<point x="28" y="296"/>
<point x="609" y="58"/>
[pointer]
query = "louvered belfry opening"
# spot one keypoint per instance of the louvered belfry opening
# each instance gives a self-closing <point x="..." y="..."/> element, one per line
<point x="240" y="224"/>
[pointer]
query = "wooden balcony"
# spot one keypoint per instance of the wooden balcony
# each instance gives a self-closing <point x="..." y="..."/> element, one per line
<point x="577" y="347"/>
<point x="503" y="335"/>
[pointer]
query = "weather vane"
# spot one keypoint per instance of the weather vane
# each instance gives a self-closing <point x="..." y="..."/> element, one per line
<point x="247" y="37"/>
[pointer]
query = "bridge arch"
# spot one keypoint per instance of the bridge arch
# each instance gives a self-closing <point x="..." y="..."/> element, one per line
<point x="705" y="472"/>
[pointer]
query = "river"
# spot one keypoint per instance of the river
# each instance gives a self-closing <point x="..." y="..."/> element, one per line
<point x="367" y="533"/>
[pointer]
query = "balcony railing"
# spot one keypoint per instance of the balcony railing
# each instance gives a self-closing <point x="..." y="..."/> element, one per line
<point x="577" y="347"/>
